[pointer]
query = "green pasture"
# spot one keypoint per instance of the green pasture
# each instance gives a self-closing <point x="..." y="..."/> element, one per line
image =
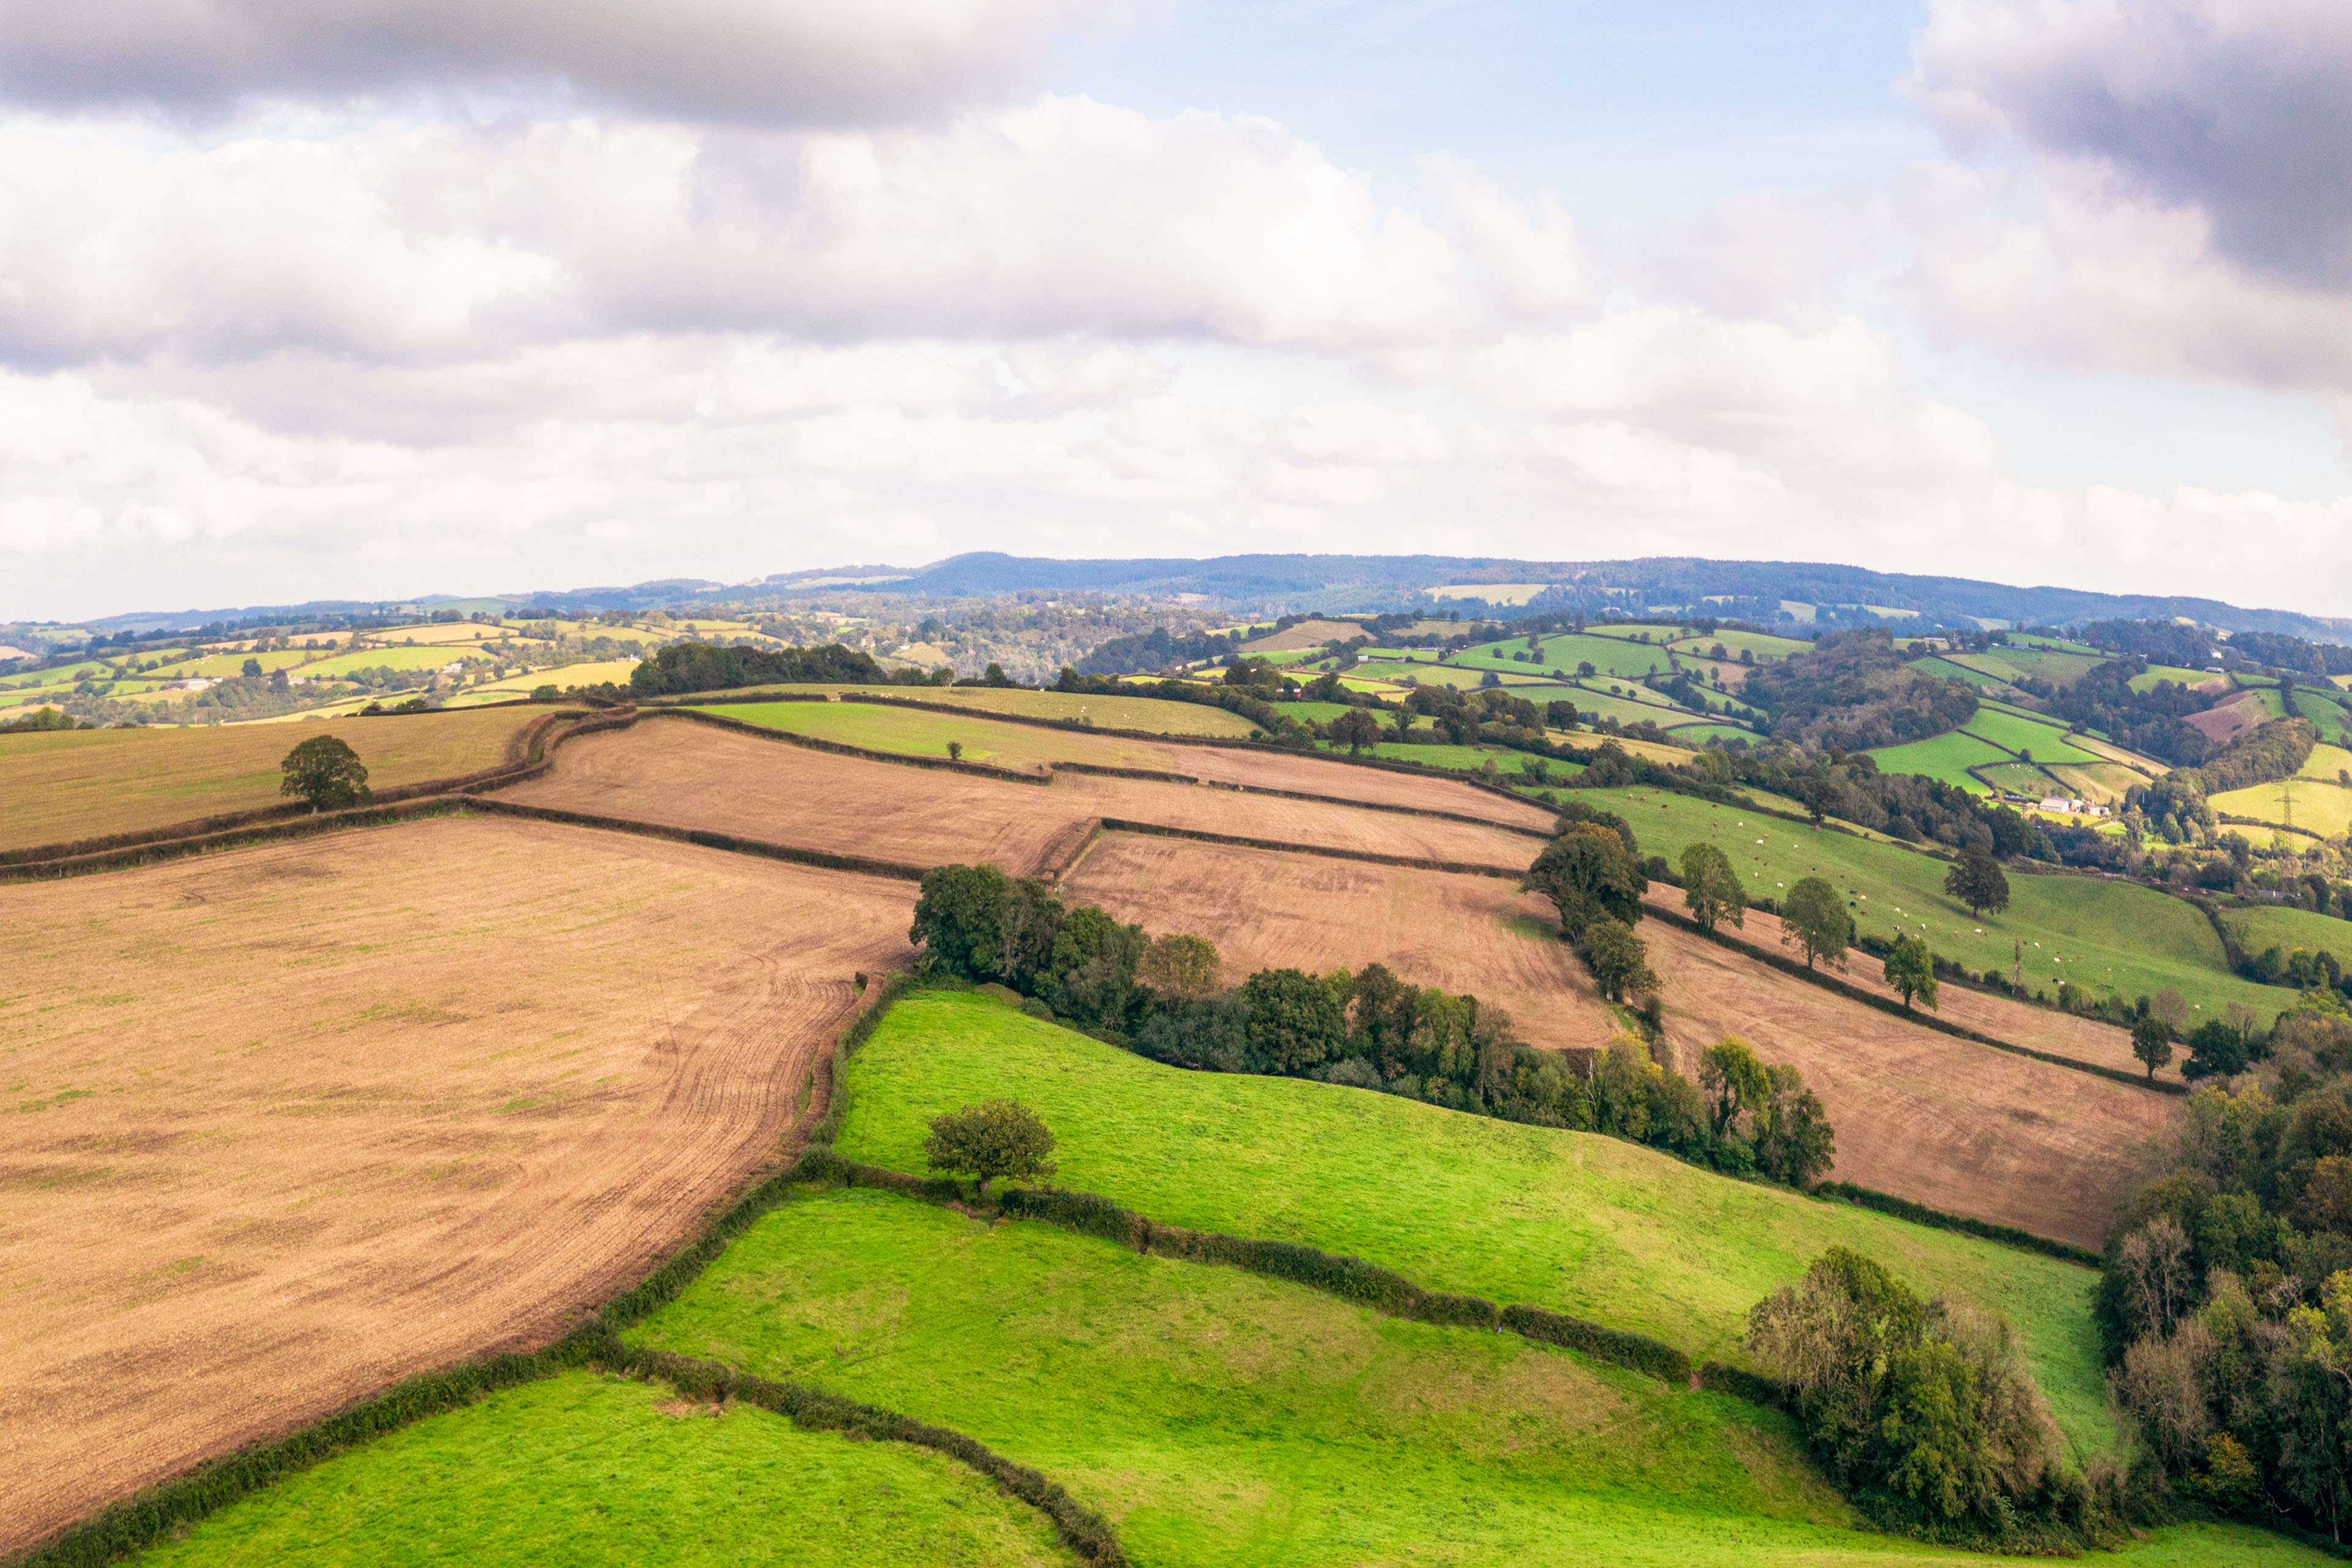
<point x="1150" y="715"/>
<point x="1610" y="656"/>
<point x="2273" y="925"/>
<point x="1461" y="678"/>
<point x="2314" y="804"/>
<point x="2146" y="681"/>
<point x="2061" y="644"/>
<point x="2030" y="779"/>
<point x="1318" y="713"/>
<point x="1221" y="1418"/>
<point x="913" y="733"/>
<point x="2105" y="783"/>
<point x="591" y="1469"/>
<point x="1763" y="645"/>
<point x="409" y="659"/>
<point x="2046" y="741"/>
<point x="1933" y="664"/>
<point x="2095" y="933"/>
<point x="1437" y="754"/>
<point x="1700" y="734"/>
<point x="1658" y="632"/>
<point x="1571" y="1221"/>
<point x="1947" y="757"/>
<point x="2011" y="664"/>
<point x="2326" y="711"/>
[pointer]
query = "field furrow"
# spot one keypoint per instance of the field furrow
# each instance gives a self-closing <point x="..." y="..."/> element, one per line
<point x="285" y="1124"/>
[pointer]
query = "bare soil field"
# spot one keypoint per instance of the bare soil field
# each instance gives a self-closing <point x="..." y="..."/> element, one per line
<point x="691" y="776"/>
<point x="61" y="786"/>
<point x="670" y="771"/>
<point x="2020" y="1023"/>
<point x="1474" y="934"/>
<point x="1310" y="776"/>
<point x="285" y="1124"/>
<point x="1941" y="1120"/>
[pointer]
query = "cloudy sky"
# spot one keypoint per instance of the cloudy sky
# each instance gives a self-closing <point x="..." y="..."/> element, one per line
<point x="365" y="298"/>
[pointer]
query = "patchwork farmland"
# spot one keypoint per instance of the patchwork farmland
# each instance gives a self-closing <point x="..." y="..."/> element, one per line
<point x="308" y="1115"/>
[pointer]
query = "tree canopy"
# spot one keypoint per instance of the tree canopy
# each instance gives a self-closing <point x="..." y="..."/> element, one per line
<point x="1977" y="881"/>
<point x="1911" y="970"/>
<point x="996" y="1138"/>
<point x="326" y="773"/>
<point x="1711" y="888"/>
<point x="1589" y="874"/>
<point x="1814" y="918"/>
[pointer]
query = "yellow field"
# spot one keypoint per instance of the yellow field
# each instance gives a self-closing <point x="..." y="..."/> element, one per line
<point x="63" y="785"/>
<point x="616" y="670"/>
<point x="2316" y="799"/>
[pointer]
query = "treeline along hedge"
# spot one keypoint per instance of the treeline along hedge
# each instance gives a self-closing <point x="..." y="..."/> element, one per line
<point x="1366" y="1030"/>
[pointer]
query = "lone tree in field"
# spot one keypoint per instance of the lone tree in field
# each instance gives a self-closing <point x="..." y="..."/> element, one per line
<point x="1588" y="875"/>
<point x="1711" y="888"/>
<point x="1911" y="970"/>
<point x="996" y="1138"/>
<point x="325" y="771"/>
<point x="1977" y="881"/>
<point x="2152" y="1043"/>
<point x="1814" y="918"/>
<point x="1356" y="730"/>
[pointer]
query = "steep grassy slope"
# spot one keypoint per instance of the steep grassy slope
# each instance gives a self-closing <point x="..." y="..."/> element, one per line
<point x="2095" y="933"/>
<point x="1571" y="1221"/>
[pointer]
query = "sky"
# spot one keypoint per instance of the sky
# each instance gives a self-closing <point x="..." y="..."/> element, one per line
<point x="393" y="296"/>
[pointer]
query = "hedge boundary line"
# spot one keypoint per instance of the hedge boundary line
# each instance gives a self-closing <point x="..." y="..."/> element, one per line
<point x="1939" y="1219"/>
<point x="524" y="749"/>
<point x="1086" y="1532"/>
<point x="823" y="859"/>
<point x="233" y="838"/>
<point x="1789" y="966"/>
<point x="1335" y="1274"/>
<point x="1371" y="857"/>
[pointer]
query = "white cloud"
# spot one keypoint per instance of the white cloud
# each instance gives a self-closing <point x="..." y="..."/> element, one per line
<point x="2241" y="109"/>
<point x="769" y="61"/>
<point x="401" y="242"/>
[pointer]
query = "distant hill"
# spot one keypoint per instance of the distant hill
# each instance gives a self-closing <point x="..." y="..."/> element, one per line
<point x="1815" y="594"/>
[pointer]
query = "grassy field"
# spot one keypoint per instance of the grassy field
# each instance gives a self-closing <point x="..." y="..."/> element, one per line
<point x="1219" y="1418"/>
<point x="2097" y="933"/>
<point x="2321" y="800"/>
<point x="2011" y="664"/>
<point x="1947" y="757"/>
<point x="83" y="784"/>
<point x="2046" y="741"/>
<point x="2265" y="926"/>
<point x="1763" y="645"/>
<point x="592" y="1469"/>
<point x="2147" y="680"/>
<point x="1572" y="1221"/>
<point x="1148" y="714"/>
<point x="913" y="733"/>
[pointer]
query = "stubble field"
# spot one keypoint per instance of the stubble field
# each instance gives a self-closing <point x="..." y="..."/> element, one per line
<point x="59" y="786"/>
<point x="283" y="1125"/>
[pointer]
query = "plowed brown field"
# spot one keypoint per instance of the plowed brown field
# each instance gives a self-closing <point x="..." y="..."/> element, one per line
<point x="1475" y="934"/>
<point x="1941" y="1120"/>
<point x="285" y="1124"/>
<point x="2020" y="1023"/>
<point x="694" y="775"/>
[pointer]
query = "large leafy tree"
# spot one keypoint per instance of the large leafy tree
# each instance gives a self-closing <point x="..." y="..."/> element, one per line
<point x="959" y="919"/>
<point x="1977" y="881"/>
<point x="1589" y="874"/>
<point x="1356" y="730"/>
<point x="326" y="773"/>
<point x="1711" y="888"/>
<point x="1815" y="919"/>
<point x="1911" y="971"/>
<point x="1735" y="1083"/>
<point x="1295" y="1021"/>
<point x="997" y="1139"/>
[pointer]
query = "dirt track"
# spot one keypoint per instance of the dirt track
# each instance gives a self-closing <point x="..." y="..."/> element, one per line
<point x="1939" y="1120"/>
<point x="285" y="1124"/>
<point x="694" y="775"/>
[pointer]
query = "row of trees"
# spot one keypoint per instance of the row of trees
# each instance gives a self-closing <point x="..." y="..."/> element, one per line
<point x="1368" y="1028"/>
<point x="2225" y="1301"/>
